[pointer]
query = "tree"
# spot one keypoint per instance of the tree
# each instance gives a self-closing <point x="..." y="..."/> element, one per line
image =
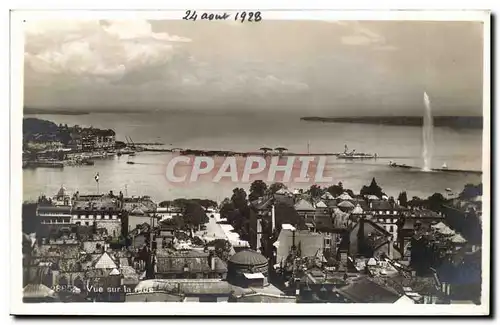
<point x="336" y="190"/>
<point x="416" y="202"/>
<point x="257" y="190"/>
<point x="276" y="187"/>
<point x="226" y="208"/>
<point x="222" y="248"/>
<point x="470" y="191"/>
<point x="315" y="191"/>
<point x="194" y="214"/>
<point x="373" y="189"/>
<point x="403" y="199"/>
<point x="350" y="192"/>
<point x="165" y="204"/>
<point x="239" y="198"/>
<point x="435" y="202"/>
<point x="240" y="215"/>
<point x="205" y="203"/>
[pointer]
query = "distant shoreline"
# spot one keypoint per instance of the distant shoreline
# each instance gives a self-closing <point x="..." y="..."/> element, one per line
<point x="34" y="111"/>
<point x="464" y="122"/>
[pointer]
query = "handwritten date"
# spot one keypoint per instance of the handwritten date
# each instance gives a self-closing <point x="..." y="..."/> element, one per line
<point x="241" y="16"/>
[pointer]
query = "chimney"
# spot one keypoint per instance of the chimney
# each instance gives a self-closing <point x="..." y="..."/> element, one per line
<point x="273" y="218"/>
<point x="259" y="234"/>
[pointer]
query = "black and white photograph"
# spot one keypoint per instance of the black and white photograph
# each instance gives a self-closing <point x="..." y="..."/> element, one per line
<point x="251" y="156"/>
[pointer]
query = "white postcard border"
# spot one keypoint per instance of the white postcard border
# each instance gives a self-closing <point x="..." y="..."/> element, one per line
<point x="17" y="307"/>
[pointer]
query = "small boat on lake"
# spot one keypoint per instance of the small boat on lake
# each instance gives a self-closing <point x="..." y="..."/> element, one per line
<point x="357" y="156"/>
<point x="393" y="164"/>
<point x="130" y="162"/>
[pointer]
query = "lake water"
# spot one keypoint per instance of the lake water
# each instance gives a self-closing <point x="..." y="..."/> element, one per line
<point x="458" y="148"/>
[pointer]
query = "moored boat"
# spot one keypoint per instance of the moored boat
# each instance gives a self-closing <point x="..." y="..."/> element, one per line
<point x="355" y="155"/>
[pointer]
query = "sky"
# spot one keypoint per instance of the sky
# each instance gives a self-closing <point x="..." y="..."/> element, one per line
<point x="324" y="68"/>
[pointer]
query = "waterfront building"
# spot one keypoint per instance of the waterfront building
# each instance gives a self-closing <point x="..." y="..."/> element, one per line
<point x="54" y="215"/>
<point x="100" y="211"/>
<point x="104" y="139"/>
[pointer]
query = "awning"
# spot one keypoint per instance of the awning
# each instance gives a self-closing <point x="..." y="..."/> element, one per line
<point x="253" y="276"/>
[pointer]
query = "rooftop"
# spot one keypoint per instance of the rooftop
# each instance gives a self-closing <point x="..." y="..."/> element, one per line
<point x="304" y="205"/>
<point x="38" y="291"/>
<point x="170" y="261"/>
<point x="366" y="291"/>
<point x="98" y="203"/>
<point x="186" y="286"/>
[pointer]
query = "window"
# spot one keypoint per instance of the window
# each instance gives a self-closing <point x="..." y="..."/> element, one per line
<point x="395" y="212"/>
<point x="98" y="217"/>
<point x="114" y="217"/>
<point x="83" y="216"/>
<point x="106" y="217"/>
<point x="86" y="223"/>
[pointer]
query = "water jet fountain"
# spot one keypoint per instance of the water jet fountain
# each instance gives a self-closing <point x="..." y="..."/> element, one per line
<point x="427" y="135"/>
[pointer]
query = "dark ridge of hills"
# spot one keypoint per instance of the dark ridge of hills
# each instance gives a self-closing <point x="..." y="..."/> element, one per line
<point x="464" y="122"/>
<point x="28" y="111"/>
<point x="33" y="125"/>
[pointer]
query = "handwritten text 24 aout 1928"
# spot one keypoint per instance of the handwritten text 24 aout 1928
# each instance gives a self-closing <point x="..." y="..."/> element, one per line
<point x="241" y="16"/>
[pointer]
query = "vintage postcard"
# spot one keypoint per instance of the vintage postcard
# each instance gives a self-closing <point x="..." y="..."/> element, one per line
<point x="173" y="162"/>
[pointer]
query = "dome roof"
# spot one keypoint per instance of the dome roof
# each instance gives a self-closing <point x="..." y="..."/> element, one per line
<point x="248" y="257"/>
